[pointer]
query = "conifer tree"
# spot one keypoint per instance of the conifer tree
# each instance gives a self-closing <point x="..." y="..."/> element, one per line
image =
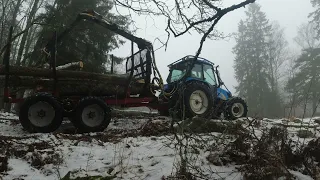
<point x="306" y="82"/>
<point x="88" y="41"/>
<point x="254" y="58"/>
<point x="304" y="85"/>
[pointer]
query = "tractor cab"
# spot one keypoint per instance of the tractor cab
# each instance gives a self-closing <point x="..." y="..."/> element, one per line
<point x="203" y="95"/>
<point x="203" y="70"/>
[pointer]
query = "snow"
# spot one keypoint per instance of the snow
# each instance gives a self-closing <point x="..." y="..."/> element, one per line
<point x="129" y="158"/>
<point x="126" y="157"/>
<point x="19" y="168"/>
<point x="300" y="176"/>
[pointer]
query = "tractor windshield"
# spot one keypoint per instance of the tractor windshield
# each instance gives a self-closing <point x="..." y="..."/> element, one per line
<point x="209" y="74"/>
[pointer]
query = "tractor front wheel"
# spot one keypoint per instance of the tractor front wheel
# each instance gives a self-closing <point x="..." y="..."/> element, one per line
<point x="236" y="108"/>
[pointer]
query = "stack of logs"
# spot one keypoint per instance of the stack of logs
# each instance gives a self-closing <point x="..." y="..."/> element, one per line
<point x="69" y="82"/>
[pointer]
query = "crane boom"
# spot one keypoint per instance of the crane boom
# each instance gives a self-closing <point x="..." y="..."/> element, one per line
<point x="97" y="18"/>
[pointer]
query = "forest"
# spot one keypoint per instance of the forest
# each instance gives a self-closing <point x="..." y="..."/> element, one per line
<point x="270" y="75"/>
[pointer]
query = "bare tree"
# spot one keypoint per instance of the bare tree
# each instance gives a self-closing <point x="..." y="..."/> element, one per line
<point x="291" y="100"/>
<point x="278" y="54"/>
<point x="35" y="7"/>
<point x="5" y="7"/>
<point x="307" y="35"/>
<point x="15" y="12"/>
<point x="185" y="16"/>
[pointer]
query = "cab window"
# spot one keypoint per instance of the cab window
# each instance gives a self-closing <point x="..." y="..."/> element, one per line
<point x="208" y="74"/>
<point x="176" y="74"/>
<point x="196" y="71"/>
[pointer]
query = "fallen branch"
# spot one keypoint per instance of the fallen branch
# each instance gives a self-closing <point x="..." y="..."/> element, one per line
<point x="297" y="126"/>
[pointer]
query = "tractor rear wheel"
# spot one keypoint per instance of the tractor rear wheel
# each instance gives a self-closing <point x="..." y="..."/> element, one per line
<point x="236" y="108"/>
<point x="91" y="115"/>
<point x="41" y="113"/>
<point x="198" y="100"/>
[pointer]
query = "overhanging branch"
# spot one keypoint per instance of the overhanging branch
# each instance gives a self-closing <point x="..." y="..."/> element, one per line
<point x="184" y="15"/>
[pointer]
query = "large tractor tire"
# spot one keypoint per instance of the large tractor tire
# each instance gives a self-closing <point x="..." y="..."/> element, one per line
<point x="236" y="108"/>
<point x="91" y="115"/>
<point x="198" y="100"/>
<point x="41" y="113"/>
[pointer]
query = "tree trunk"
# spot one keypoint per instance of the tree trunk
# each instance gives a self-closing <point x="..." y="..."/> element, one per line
<point x="15" y="13"/>
<point x="34" y="57"/>
<point x="7" y="106"/>
<point x="25" y="35"/>
<point x="30" y="40"/>
<point x="2" y="22"/>
<point x="315" y="103"/>
<point x="2" y="33"/>
<point x="2" y="42"/>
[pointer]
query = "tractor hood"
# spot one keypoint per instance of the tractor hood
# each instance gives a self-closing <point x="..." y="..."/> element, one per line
<point x="223" y="94"/>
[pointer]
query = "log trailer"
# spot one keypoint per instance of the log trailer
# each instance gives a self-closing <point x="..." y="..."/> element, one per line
<point x="87" y="98"/>
<point x="80" y="96"/>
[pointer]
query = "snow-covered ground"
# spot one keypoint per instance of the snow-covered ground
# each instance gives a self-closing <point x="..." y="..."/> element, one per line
<point x="116" y="152"/>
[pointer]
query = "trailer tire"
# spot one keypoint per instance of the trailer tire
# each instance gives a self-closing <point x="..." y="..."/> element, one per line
<point x="37" y="108"/>
<point x="204" y="98"/>
<point x="91" y="106"/>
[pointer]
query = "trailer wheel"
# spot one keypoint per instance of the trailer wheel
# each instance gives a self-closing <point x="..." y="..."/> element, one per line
<point x="198" y="100"/>
<point x="41" y="113"/>
<point x="91" y="115"/>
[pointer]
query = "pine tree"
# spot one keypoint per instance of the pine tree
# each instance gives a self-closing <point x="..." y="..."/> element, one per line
<point x="305" y="85"/>
<point x="252" y="62"/>
<point x="316" y="15"/>
<point x="88" y="41"/>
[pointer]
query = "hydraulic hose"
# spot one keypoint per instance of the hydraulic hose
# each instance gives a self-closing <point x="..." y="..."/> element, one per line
<point x="160" y="78"/>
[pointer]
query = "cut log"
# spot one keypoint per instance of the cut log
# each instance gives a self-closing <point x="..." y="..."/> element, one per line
<point x="70" y="65"/>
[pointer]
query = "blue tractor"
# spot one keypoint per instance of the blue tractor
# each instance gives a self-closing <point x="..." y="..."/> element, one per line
<point x="202" y="95"/>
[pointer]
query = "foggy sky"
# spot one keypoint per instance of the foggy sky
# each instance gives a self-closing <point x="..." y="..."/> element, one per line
<point x="288" y="13"/>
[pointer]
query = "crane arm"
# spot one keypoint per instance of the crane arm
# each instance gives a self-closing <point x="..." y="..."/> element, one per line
<point x="97" y="18"/>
